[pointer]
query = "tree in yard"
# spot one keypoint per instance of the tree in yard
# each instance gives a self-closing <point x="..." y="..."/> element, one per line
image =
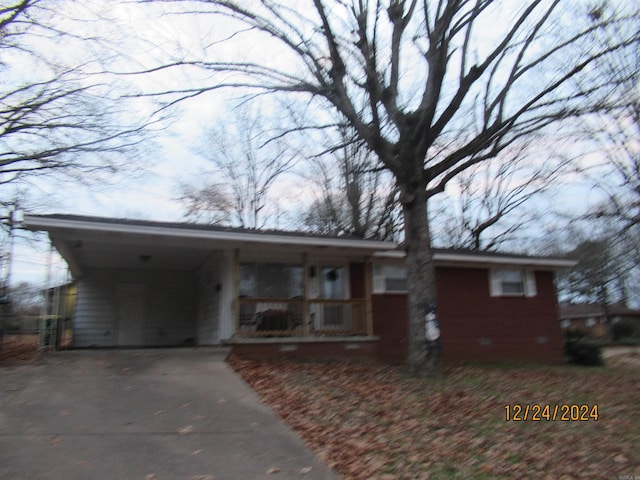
<point x="246" y="165"/>
<point x="431" y="88"/>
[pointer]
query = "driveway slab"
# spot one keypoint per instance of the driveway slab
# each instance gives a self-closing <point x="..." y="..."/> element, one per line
<point x="143" y="414"/>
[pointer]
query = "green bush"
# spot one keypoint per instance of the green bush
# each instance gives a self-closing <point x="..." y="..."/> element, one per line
<point x="581" y="352"/>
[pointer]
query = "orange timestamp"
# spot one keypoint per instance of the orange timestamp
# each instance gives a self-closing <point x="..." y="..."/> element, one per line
<point x="562" y="412"/>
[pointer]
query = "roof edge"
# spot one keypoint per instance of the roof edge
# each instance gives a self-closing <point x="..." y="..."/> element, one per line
<point x="185" y="230"/>
<point x="487" y="258"/>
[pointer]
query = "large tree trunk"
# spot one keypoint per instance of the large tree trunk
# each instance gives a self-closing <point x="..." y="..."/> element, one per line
<point x="424" y="350"/>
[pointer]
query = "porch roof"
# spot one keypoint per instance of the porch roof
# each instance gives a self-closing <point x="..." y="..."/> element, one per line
<point x="85" y="241"/>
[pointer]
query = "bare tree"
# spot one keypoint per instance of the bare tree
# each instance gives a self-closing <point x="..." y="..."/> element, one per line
<point x="57" y="115"/>
<point x="608" y="267"/>
<point x="492" y="203"/>
<point x="432" y="88"/>
<point x="615" y="130"/>
<point x="206" y="203"/>
<point x="246" y="166"/>
<point x="356" y="198"/>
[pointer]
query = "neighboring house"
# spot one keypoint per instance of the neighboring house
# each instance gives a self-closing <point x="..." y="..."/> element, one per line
<point x="591" y="318"/>
<point x="142" y="283"/>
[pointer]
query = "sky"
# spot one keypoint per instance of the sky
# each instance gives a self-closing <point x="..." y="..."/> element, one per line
<point x="151" y="194"/>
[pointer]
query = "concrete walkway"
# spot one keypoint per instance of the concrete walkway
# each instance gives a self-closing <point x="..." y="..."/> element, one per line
<point x="142" y="414"/>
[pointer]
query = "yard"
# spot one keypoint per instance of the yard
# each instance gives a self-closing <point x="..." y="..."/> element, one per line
<point x="375" y="422"/>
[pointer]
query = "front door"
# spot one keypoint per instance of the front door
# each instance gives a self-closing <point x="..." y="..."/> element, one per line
<point x="131" y="299"/>
<point x="334" y="316"/>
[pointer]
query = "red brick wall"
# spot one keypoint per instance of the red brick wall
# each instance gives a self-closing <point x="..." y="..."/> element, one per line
<point x="476" y="326"/>
<point x="360" y="350"/>
<point x="390" y="313"/>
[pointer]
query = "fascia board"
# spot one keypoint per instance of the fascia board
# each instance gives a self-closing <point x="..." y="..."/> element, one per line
<point x="497" y="260"/>
<point x="486" y="260"/>
<point x="51" y="224"/>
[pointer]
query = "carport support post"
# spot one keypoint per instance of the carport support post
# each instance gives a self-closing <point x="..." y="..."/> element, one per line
<point x="235" y="288"/>
<point x="305" y="295"/>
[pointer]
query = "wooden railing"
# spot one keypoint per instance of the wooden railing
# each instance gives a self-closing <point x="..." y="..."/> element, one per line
<point x="275" y="317"/>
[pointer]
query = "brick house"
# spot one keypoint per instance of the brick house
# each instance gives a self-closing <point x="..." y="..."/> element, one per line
<point x="142" y="283"/>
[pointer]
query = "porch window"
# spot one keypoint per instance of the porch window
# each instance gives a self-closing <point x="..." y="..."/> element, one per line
<point x="512" y="283"/>
<point x="270" y="298"/>
<point x="271" y="280"/>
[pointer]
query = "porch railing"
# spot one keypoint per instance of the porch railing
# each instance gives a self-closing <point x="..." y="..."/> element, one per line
<point x="275" y="317"/>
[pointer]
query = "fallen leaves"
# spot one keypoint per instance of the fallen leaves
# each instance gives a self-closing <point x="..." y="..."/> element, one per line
<point x="372" y="421"/>
<point x="186" y="430"/>
<point x="18" y="348"/>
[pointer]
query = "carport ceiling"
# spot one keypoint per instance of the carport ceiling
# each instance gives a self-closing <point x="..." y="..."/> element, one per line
<point x="129" y="254"/>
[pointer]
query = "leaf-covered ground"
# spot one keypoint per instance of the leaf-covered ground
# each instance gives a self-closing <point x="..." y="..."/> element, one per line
<point x="18" y="348"/>
<point x="376" y="422"/>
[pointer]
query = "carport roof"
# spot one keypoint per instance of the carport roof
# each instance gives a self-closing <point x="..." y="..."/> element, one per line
<point x="87" y="241"/>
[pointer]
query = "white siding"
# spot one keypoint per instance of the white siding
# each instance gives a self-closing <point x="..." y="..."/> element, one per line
<point x="170" y="307"/>
<point x="95" y="314"/>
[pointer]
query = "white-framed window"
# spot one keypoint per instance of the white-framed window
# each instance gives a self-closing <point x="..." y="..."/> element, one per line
<point x="389" y="278"/>
<point x="271" y="280"/>
<point x="512" y="282"/>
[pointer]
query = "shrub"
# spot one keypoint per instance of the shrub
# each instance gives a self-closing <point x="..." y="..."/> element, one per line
<point x="576" y="333"/>
<point x="581" y="352"/>
<point x="622" y="329"/>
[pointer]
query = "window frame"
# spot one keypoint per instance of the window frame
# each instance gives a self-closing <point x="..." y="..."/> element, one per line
<point x="497" y="282"/>
<point x="380" y="277"/>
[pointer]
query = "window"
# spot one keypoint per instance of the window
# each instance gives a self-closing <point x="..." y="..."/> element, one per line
<point x="389" y="278"/>
<point x="512" y="283"/>
<point x="271" y="280"/>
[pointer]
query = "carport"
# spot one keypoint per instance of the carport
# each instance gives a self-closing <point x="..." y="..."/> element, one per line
<point x="140" y="283"/>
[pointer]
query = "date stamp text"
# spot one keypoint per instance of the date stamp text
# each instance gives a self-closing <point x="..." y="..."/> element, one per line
<point x="557" y="412"/>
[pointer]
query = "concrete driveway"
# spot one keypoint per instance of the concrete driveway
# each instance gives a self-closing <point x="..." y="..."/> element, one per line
<point x="142" y="414"/>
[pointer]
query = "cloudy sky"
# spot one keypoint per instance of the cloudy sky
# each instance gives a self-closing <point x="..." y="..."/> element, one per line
<point x="171" y="157"/>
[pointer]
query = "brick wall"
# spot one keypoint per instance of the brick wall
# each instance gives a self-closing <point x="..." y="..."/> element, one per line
<point x="390" y="313"/>
<point x="476" y="326"/>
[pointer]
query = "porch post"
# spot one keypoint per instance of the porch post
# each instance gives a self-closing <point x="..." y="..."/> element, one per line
<point x="305" y="295"/>
<point x="368" y="309"/>
<point x="236" y="290"/>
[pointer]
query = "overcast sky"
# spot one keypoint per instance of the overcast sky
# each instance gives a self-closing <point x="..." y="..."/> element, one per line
<point x="151" y="194"/>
